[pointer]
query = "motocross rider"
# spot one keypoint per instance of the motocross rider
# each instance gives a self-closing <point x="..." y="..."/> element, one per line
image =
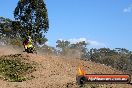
<point x="28" y="42"/>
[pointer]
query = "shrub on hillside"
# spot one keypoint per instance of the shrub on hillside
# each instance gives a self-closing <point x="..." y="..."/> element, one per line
<point x="12" y="68"/>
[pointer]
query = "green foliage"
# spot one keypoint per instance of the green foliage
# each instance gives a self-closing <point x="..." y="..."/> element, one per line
<point x="73" y="50"/>
<point x="5" y="27"/>
<point x="14" y="69"/>
<point x="8" y="33"/>
<point x="33" y="18"/>
<point x="118" y="58"/>
<point x="63" y="46"/>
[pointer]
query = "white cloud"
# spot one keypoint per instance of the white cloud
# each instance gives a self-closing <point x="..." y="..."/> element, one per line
<point x="128" y="9"/>
<point x="74" y="40"/>
<point x="61" y="39"/>
<point x="92" y="43"/>
<point x="47" y="43"/>
<point x="96" y="43"/>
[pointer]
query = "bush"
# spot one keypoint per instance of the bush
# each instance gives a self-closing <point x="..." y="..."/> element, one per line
<point x="14" y="69"/>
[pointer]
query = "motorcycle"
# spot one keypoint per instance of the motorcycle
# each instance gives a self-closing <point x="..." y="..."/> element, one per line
<point x="30" y="49"/>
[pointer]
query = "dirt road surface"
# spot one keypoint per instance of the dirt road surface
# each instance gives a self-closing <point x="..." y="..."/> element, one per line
<point x="57" y="71"/>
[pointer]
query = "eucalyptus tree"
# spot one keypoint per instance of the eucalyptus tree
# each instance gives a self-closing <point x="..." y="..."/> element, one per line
<point x="33" y="18"/>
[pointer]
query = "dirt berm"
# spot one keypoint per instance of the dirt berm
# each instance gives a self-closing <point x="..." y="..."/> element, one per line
<point x="57" y="71"/>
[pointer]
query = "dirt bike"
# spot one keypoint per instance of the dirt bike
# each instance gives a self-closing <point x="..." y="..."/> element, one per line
<point x="30" y="49"/>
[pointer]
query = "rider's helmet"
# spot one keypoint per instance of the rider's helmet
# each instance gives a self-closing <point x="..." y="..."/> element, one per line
<point x="29" y="37"/>
<point x="29" y="40"/>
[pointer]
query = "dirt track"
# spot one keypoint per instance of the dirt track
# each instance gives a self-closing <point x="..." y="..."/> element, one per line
<point x="57" y="72"/>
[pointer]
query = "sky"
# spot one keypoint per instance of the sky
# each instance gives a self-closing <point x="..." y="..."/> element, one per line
<point x="102" y="23"/>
